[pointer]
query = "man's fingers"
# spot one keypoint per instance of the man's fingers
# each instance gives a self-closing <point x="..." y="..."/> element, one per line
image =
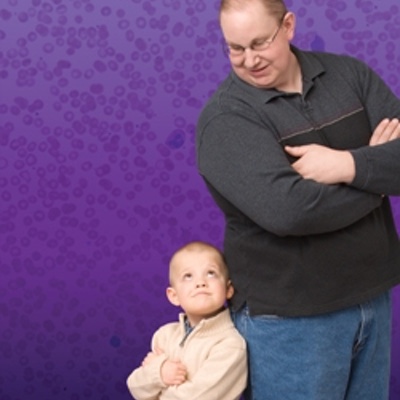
<point x="387" y="130"/>
<point x="296" y="151"/>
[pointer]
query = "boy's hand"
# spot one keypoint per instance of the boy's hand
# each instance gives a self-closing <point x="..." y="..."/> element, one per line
<point x="173" y="373"/>
<point x="151" y="356"/>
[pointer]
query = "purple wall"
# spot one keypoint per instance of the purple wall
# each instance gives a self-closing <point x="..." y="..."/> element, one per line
<point x="98" y="184"/>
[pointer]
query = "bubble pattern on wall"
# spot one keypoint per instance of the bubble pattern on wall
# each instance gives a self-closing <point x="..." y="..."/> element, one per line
<point x="98" y="183"/>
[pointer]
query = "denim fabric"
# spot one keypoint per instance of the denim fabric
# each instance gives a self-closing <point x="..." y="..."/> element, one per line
<point x="343" y="355"/>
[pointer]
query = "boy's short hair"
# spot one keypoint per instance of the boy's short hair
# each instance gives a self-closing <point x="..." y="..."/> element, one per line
<point x="198" y="246"/>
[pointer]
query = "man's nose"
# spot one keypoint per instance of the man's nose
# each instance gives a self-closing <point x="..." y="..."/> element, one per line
<point x="251" y="58"/>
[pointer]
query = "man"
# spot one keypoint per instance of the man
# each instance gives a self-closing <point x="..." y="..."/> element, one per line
<point x="300" y="150"/>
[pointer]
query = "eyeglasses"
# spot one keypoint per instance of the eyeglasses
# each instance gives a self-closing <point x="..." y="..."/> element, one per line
<point x="235" y="50"/>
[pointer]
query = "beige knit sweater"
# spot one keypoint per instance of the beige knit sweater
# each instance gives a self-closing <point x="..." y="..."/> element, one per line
<point x="214" y="354"/>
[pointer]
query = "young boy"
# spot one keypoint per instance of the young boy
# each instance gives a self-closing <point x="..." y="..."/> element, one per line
<point x="201" y="357"/>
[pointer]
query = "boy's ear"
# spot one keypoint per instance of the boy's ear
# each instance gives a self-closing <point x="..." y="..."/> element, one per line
<point x="229" y="290"/>
<point x="172" y="296"/>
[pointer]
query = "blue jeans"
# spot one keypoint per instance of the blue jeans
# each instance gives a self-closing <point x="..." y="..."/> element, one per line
<point x="343" y="355"/>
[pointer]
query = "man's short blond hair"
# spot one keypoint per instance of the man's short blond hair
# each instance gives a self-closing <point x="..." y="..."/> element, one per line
<point x="275" y="8"/>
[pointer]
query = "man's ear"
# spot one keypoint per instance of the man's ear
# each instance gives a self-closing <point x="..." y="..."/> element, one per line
<point x="172" y="296"/>
<point x="289" y="24"/>
<point x="229" y="290"/>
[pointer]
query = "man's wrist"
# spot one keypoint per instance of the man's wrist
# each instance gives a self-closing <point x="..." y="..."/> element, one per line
<point x="349" y="167"/>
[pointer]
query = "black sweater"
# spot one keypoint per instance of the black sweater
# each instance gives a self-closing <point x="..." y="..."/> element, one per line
<point x="295" y="247"/>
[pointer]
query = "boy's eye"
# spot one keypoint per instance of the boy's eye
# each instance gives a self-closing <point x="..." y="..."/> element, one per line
<point x="187" y="277"/>
<point x="211" y="273"/>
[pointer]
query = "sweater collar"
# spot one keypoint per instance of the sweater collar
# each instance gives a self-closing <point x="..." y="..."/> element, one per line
<point x="310" y="66"/>
<point x="208" y="325"/>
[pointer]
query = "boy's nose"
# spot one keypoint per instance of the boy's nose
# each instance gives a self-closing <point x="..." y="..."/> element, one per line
<point x="201" y="284"/>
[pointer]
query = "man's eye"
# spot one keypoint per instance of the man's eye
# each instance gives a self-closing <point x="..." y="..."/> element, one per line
<point x="236" y="49"/>
<point x="259" y="43"/>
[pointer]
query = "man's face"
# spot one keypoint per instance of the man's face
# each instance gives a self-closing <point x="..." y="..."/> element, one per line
<point x="260" y="45"/>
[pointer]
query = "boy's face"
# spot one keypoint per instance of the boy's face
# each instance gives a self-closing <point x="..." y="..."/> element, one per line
<point x="198" y="284"/>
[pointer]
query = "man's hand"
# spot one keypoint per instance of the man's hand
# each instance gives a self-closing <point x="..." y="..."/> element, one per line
<point x="173" y="373"/>
<point x="323" y="164"/>
<point x="386" y="131"/>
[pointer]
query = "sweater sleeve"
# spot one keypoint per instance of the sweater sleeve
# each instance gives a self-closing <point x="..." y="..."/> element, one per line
<point x="222" y="376"/>
<point x="247" y="166"/>
<point x="145" y="382"/>
<point x="377" y="167"/>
